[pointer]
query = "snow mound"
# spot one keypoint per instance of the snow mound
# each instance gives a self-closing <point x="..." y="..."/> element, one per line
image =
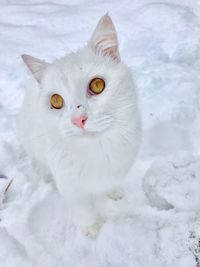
<point x="174" y="183"/>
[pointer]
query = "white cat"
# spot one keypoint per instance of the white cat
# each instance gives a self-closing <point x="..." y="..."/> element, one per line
<point x="80" y="120"/>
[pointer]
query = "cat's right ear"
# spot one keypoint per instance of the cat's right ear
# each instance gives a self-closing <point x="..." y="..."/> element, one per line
<point x="104" y="39"/>
<point x="35" y="65"/>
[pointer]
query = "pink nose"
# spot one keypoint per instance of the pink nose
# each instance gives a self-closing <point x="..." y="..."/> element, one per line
<point x="79" y="121"/>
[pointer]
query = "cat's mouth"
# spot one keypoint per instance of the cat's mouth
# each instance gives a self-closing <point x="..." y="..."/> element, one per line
<point x="84" y="132"/>
<point x="95" y="132"/>
<point x="78" y="132"/>
<point x="98" y="126"/>
<point x="90" y="133"/>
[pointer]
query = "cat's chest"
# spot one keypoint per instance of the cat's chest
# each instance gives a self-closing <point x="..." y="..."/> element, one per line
<point x="87" y="167"/>
<point x="84" y="160"/>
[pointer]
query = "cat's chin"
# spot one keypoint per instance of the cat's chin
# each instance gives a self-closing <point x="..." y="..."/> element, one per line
<point x="84" y="132"/>
<point x="79" y="133"/>
<point x="93" y="133"/>
<point x="87" y="133"/>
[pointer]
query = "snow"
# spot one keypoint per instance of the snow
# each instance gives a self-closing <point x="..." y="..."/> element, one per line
<point x="158" y="223"/>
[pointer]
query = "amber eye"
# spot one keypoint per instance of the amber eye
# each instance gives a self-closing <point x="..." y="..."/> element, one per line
<point x="97" y="86"/>
<point x="56" y="101"/>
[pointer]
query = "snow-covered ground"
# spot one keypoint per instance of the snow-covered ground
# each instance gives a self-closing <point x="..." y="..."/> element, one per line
<point x="159" y="225"/>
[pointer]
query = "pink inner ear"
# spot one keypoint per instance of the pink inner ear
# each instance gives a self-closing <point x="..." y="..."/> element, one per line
<point x="35" y="65"/>
<point x="112" y="52"/>
<point x="104" y="39"/>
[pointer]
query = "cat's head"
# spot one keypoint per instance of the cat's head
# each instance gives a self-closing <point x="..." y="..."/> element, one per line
<point x="87" y="93"/>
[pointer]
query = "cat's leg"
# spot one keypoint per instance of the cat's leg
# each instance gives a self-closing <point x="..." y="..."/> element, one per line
<point x="102" y="207"/>
<point x="80" y="202"/>
<point x="90" y="213"/>
<point x="86" y="218"/>
<point x="109" y="204"/>
<point x="105" y="206"/>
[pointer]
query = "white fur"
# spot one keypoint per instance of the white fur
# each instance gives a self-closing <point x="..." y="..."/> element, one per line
<point x="85" y="164"/>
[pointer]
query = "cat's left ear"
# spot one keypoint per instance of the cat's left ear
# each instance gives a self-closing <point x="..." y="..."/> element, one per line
<point x="35" y="65"/>
<point x="104" y="39"/>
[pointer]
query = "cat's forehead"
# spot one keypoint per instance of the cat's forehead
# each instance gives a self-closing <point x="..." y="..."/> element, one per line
<point x="75" y="71"/>
<point x="82" y="64"/>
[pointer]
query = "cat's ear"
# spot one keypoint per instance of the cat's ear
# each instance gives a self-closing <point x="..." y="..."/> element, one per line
<point x="104" y="39"/>
<point x="35" y="65"/>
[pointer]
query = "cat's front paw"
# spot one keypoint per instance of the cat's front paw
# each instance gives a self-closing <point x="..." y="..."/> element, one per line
<point x="115" y="195"/>
<point x="93" y="230"/>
